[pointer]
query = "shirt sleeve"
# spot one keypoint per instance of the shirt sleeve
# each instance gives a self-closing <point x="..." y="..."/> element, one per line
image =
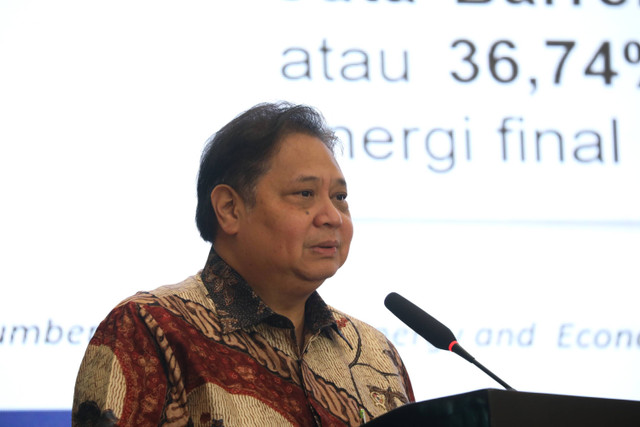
<point x="122" y="378"/>
<point x="402" y="370"/>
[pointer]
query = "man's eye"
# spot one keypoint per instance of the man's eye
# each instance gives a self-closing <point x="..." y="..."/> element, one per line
<point x="306" y="193"/>
<point x="341" y="197"/>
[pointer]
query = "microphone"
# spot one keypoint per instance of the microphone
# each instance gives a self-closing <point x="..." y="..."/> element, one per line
<point x="431" y="330"/>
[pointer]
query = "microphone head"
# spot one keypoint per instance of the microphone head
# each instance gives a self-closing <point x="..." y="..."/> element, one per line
<point x="430" y="329"/>
<point x="422" y="323"/>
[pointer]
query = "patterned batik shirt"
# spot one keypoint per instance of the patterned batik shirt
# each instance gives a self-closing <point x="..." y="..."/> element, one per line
<point x="209" y="352"/>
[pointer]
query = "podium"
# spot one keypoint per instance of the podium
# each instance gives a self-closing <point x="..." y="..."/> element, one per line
<point x="500" y="408"/>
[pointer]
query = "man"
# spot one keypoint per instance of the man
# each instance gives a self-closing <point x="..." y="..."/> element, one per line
<point x="248" y="341"/>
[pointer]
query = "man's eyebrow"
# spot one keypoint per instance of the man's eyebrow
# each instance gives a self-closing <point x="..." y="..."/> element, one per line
<point x="313" y="178"/>
<point x="306" y="178"/>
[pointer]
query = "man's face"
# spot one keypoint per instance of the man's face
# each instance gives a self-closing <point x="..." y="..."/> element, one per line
<point x="299" y="231"/>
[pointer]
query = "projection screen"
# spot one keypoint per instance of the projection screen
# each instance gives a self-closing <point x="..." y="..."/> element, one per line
<point x="491" y="149"/>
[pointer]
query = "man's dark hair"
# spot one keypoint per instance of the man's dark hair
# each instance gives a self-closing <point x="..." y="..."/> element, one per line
<point x="240" y="153"/>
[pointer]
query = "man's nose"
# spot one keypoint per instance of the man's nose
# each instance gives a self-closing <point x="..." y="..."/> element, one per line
<point x="328" y="214"/>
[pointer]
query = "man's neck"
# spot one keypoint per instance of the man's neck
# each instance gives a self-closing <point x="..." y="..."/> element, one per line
<point x="292" y="309"/>
<point x="276" y="293"/>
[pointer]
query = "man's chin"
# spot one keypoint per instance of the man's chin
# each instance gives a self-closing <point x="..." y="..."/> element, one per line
<point x="318" y="275"/>
<point x="319" y="270"/>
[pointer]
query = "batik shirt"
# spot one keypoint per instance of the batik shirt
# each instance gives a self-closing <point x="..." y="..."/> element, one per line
<point x="209" y="352"/>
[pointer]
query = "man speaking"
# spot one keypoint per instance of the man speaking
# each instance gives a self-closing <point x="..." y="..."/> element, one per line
<point x="248" y="340"/>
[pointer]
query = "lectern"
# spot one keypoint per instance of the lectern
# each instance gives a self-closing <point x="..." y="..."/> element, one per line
<point x="500" y="408"/>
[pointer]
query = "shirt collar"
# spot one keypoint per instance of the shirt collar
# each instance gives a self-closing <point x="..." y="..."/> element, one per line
<point x="239" y="307"/>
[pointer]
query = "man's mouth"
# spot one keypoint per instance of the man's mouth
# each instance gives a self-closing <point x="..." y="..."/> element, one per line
<point x="326" y="248"/>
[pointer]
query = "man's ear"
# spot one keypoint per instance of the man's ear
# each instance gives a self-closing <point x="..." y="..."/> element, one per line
<point x="227" y="204"/>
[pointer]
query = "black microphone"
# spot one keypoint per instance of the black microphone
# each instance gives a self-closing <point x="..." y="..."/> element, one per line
<point x="431" y="330"/>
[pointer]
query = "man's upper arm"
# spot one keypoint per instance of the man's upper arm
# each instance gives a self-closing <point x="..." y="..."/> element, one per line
<point x="122" y="376"/>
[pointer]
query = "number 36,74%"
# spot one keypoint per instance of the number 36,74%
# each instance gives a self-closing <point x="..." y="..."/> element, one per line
<point x="502" y="64"/>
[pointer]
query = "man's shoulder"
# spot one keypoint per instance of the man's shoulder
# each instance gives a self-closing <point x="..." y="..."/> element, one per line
<point x="348" y="323"/>
<point x="191" y="289"/>
<point x="372" y="346"/>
